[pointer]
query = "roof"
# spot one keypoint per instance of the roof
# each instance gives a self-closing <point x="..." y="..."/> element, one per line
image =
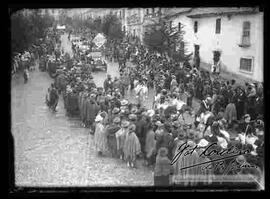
<point x="173" y="12"/>
<point x="206" y="12"/>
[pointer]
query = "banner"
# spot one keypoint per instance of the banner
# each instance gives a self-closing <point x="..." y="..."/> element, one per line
<point x="99" y="40"/>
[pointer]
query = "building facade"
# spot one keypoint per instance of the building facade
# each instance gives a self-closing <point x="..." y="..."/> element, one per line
<point x="234" y="35"/>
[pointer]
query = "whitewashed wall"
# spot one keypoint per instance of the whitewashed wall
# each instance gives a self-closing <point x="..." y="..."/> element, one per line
<point x="188" y="29"/>
<point x="227" y="41"/>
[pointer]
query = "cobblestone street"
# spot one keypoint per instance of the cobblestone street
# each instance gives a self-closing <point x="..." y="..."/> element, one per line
<point x="54" y="150"/>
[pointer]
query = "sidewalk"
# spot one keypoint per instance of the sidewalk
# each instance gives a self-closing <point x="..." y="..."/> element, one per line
<point x="225" y="75"/>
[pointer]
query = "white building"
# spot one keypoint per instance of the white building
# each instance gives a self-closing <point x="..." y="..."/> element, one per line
<point x="180" y="21"/>
<point x="235" y="33"/>
<point x="133" y="22"/>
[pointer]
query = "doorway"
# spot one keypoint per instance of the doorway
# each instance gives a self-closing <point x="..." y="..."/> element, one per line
<point x="196" y="49"/>
<point x="216" y="57"/>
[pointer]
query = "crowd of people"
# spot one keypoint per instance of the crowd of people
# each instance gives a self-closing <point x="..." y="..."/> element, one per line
<point x="229" y="115"/>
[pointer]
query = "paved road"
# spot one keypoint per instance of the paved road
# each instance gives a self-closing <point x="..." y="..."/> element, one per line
<point x="52" y="149"/>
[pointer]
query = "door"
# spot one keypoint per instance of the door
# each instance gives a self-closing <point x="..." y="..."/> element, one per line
<point x="216" y="57"/>
<point x="196" y="49"/>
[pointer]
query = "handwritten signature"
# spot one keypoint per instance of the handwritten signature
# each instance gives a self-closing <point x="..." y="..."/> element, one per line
<point x="186" y="150"/>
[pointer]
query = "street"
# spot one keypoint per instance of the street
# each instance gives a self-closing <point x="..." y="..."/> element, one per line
<point x="52" y="149"/>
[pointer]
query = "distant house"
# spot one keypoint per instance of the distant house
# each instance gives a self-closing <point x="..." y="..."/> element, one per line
<point x="234" y="35"/>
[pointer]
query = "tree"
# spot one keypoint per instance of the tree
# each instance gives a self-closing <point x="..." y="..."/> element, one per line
<point x="27" y="27"/>
<point x="111" y="27"/>
<point x="164" y="38"/>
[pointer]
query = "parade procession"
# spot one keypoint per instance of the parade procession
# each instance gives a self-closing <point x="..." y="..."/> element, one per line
<point x="112" y="108"/>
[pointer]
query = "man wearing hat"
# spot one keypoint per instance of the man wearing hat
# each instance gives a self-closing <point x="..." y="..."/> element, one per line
<point x="108" y="84"/>
<point x="111" y="131"/>
<point x="92" y="110"/>
<point x="205" y="106"/>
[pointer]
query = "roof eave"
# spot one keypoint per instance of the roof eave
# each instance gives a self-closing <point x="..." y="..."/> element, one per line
<point x="176" y="14"/>
<point x="216" y="14"/>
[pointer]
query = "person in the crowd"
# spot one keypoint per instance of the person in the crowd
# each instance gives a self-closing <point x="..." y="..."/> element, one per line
<point x="120" y="138"/>
<point x="132" y="147"/>
<point x="100" y="138"/>
<point x="230" y="113"/>
<point x="205" y="107"/>
<point x="111" y="134"/>
<point x="184" y="174"/>
<point x="163" y="168"/>
<point x="108" y="83"/>
<point x="150" y="146"/>
<point x="92" y="110"/>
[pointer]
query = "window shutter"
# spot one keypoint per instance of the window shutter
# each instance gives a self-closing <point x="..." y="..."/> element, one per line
<point x="179" y="26"/>
<point x="195" y="26"/>
<point x="246" y="33"/>
<point x="218" y="26"/>
<point x="246" y="64"/>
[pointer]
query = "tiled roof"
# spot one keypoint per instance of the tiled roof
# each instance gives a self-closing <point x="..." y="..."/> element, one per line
<point x="203" y="12"/>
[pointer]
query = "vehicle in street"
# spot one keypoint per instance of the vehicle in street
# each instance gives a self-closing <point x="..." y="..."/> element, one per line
<point x="97" y="62"/>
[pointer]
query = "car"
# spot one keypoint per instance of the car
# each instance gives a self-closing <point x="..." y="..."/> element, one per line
<point x="97" y="62"/>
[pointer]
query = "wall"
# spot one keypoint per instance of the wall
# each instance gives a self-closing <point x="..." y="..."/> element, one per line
<point x="187" y="27"/>
<point x="227" y="41"/>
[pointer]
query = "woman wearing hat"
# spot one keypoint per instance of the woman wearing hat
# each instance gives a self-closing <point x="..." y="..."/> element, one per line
<point x="100" y="138"/>
<point x="163" y="168"/>
<point x="132" y="147"/>
<point x="120" y="138"/>
<point x="111" y="131"/>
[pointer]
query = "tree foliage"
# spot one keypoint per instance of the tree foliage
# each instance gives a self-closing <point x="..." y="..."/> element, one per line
<point x="163" y="38"/>
<point x="27" y="27"/>
<point x="111" y="27"/>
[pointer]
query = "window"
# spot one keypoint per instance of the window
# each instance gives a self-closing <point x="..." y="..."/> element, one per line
<point x="147" y="11"/>
<point x="218" y="26"/>
<point x="246" y="33"/>
<point x="153" y="10"/>
<point x="246" y="64"/>
<point x="179" y="26"/>
<point x="195" y="26"/>
<point x="134" y="32"/>
<point x="159" y="11"/>
<point x="170" y="25"/>
<point x="120" y="14"/>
